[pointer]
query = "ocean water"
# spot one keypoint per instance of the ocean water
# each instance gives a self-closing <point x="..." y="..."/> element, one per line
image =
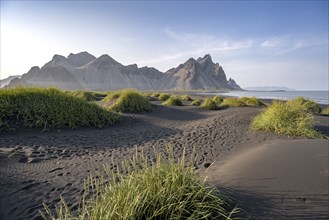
<point x="321" y="97"/>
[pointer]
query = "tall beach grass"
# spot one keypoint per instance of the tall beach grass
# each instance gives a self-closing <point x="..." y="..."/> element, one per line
<point x="164" y="190"/>
<point x="186" y="98"/>
<point x="173" y="101"/>
<point x="306" y="104"/>
<point x="252" y="101"/>
<point x="87" y="95"/>
<point x="49" y="108"/>
<point x="288" y="118"/>
<point x="241" y="102"/>
<point x="325" y="111"/>
<point x="209" y="104"/>
<point x="196" y="102"/>
<point x="218" y="100"/>
<point x="163" y="97"/>
<point x="128" y="101"/>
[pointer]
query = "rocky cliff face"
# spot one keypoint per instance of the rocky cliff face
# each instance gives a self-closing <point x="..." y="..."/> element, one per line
<point x="200" y="74"/>
<point x="84" y="71"/>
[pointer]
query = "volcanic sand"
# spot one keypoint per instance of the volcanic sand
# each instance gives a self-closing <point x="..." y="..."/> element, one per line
<point x="38" y="167"/>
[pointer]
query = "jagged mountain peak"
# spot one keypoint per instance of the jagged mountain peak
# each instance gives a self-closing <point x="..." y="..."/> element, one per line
<point x="233" y="84"/>
<point x="202" y="73"/>
<point x="35" y="68"/>
<point x="80" y="59"/>
<point x="106" y="58"/>
<point x="83" y="53"/>
<point x="189" y="63"/>
<point x="57" y="58"/>
<point x="205" y="59"/>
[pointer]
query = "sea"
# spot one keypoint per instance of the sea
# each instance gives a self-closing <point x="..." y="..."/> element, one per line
<point x="321" y="97"/>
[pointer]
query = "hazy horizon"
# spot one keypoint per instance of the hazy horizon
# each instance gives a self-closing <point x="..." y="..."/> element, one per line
<point x="282" y="44"/>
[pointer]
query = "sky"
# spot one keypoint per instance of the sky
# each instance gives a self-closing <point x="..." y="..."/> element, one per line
<point x="258" y="43"/>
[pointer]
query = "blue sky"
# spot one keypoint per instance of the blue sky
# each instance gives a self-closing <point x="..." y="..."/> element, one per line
<point x="258" y="43"/>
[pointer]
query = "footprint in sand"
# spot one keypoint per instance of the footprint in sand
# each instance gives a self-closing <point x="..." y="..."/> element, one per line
<point x="301" y="199"/>
<point x="29" y="186"/>
<point x="56" y="169"/>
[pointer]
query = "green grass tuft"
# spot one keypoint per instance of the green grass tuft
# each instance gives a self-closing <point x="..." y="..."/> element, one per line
<point x="163" y="190"/>
<point x="187" y="98"/>
<point x="286" y="118"/>
<point x="111" y="96"/>
<point x="49" y="108"/>
<point x="173" y="101"/>
<point x="251" y="101"/>
<point x="196" y="102"/>
<point x="87" y="95"/>
<point x="218" y="100"/>
<point x="241" y="102"/>
<point x="209" y="104"/>
<point x="155" y="94"/>
<point x="325" y="111"/>
<point x="163" y="97"/>
<point x="233" y="102"/>
<point x="129" y="101"/>
<point x="307" y="105"/>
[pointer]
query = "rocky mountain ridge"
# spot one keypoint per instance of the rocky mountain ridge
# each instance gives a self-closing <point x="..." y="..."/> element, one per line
<point x="86" y="72"/>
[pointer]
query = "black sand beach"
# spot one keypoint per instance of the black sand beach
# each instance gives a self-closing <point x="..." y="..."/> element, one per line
<point x="271" y="176"/>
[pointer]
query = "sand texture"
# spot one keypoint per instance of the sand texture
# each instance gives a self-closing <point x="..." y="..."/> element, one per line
<point x="278" y="180"/>
<point x="37" y="167"/>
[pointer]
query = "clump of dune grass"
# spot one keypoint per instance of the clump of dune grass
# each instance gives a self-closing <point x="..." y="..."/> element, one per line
<point x="251" y="101"/>
<point x="87" y="95"/>
<point x="163" y="97"/>
<point x="111" y="96"/>
<point x="308" y="105"/>
<point x="187" y="98"/>
<point x="129" y="101"/>
<point x="218" y="100"/>
<point x="286" y="118"/>
<point x="325" y="111"/>
<point x="173" y="101"/>
<point x="233" y="102"/>
<point x="155" y="94"/>
<point x="49" y="108"/>
<point x="209" y="104"/>
<point x="162" y="190"/>
<point x="196" y="102"/>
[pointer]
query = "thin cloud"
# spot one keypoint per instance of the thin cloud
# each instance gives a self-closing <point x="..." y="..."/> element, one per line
<point x="283" y="44"/>
<point x="234" y="45"/>
<point x="180" y="36"/>
<point x="225" y="46"/>
<point x="194" y="45"/>
<point x="197" y="45"/>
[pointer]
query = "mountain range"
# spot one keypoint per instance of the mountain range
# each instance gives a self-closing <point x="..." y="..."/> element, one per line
<point x="84" y="71"/>
<point x="5" y="82"/>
